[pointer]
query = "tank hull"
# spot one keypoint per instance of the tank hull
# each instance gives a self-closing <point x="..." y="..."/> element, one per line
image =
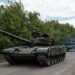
<point x="43" y="55"/>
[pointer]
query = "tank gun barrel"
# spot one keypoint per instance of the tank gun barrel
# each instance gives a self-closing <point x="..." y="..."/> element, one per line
<point x="15" y="36"/>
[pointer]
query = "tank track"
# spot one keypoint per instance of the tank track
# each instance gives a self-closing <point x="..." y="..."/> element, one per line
<point x="48" y="61"/>
<point x="41" y="59"/>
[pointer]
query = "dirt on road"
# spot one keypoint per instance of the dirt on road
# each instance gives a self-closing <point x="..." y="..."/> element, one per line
<point x="64" y="68"/>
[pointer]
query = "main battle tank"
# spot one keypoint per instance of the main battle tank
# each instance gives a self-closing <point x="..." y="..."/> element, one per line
<point x="39" y="49"/>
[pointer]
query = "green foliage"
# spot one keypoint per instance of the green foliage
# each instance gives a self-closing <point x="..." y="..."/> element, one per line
<point x="15" y="19"/>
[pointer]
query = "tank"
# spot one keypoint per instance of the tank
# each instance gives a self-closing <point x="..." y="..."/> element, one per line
<point x="39" y="49"/>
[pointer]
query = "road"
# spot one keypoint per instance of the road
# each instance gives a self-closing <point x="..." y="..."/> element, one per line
<point x="64" y="68"/>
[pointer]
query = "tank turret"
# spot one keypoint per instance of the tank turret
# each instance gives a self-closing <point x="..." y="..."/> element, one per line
<point x="38" y="38"/>
<point x="41" y="39"/>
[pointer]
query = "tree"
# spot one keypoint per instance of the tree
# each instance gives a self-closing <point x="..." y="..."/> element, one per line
<point x="16" y="20"/>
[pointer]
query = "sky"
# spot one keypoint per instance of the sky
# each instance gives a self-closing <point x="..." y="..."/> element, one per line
<point x="62" y="10"/>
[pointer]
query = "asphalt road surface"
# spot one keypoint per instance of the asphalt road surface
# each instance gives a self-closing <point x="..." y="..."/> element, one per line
<point x="64" y="68"/>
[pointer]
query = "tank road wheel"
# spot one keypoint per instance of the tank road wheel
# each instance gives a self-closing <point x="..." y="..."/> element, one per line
<point x="59" y="58"/>
<point x="39" y="59"/>
<point x="64" y="56"/>
<point x="48" y="62"/>
<point x="10" y="60"/>
<point x="43" y="60"/>
<point x="55" y="60"/>
<point x="52" y="62"/>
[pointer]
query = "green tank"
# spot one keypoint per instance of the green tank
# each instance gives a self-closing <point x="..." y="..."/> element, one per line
<point x="39" y="49"/>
